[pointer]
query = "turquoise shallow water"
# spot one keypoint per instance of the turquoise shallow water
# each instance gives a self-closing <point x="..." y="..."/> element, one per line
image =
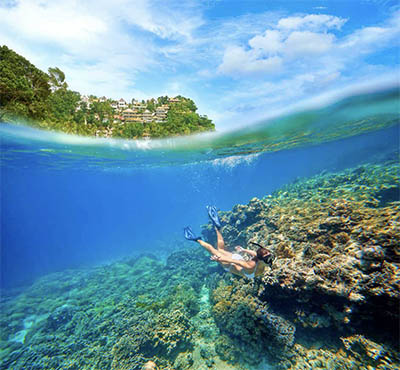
<point x="77" y="212"/>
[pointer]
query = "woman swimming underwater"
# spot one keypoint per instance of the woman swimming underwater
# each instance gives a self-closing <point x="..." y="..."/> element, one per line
<point x="233" y="262"/>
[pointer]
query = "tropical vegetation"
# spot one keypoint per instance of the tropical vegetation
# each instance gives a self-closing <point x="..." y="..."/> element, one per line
<point x="44" y="100"/>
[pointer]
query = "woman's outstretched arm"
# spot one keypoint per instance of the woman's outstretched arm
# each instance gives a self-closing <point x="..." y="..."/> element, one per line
<point x="223" y="259"/>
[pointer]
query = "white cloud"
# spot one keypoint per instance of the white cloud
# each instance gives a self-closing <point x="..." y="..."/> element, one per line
<point x="270" y="42"/>
<point x="164" y="19"/>
<point x="101" y="45"/>
<point x="58" y="22"/>
<point x="238" y="61"/>
<point x="313" y="61"/>
<point x="313" y="22"/>
<point x="306" y="43"/>
<point x="302" y="43"/>
<point x="289" y="38"/>
<point x="367" y="38"/>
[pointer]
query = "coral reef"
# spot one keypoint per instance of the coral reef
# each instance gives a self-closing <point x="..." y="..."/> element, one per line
<point x="369" y="353"/>
<point x="330" y="299"/>
<point x="336" y="241"/>
<point x="161" y="337"/>
<point x="117" y="316"/>
<point x="252" y="326"/>
<point x="359" y="354"/>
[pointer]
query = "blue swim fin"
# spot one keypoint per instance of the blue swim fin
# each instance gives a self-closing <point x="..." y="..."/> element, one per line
<point x="189" y="235"/>
<point x="213" y="214"/>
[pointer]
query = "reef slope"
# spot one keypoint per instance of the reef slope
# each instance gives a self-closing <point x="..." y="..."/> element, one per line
<point x="335" y="278"/>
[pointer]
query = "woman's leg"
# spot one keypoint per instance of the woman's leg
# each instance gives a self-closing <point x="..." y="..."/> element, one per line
<point x="220" y="240"/>
<point x="215" y="252"/>
<point x="209" y="248"/>
<point x="221" y="243"/>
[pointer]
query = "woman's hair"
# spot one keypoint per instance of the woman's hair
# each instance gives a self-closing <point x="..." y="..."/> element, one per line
<point x="263" y="254"/>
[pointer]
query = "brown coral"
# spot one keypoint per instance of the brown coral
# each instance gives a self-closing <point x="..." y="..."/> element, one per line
<point x="336" y="241"/>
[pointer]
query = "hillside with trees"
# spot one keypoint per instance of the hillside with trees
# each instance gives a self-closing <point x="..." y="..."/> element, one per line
<point x="44" y="100"/>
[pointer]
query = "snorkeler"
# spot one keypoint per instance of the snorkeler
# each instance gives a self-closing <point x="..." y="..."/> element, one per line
<point x="233" y="262"/>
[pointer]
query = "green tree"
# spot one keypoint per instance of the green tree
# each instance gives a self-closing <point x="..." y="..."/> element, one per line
<point x="63" y="104"/>
<point x="24" y="89"/>
<point x="162" y="100"/>
<point x="151" y="105"/>
<point x="57" y="79"/>
<point x="102" y="109"/>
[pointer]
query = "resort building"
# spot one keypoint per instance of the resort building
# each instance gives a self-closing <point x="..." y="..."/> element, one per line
<point x="139" y="105"/>
<point x="147" y="116"/>
<point x="84" y="100"/>
<point x="114" y="105"/>
<point x="122" y="104"/>
<point x="129" y="115"/>
<point x="174" y="100"/>
<point x="161" y="113"/>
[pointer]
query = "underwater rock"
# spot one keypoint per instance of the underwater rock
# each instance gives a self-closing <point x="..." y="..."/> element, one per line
<point x="369" y="353"/>
<point x="312" y="320"/>
<point x="126" y="355"/>
<point x="227" y="349"/>
<point x="171" y="333"/>
<point x="158" y="336"/>
<point x="61" y="316"/>
<point x="280" y="329"/>
<point x="333" y="224"/>
<point x="246" y="323"/>
<point x="207" y="355"/>
<point x="183" y="361"/>
<point x="193" y="261"/>
<point x="310" y="358"/>
<point x="371" y="257"/>
<point x="388" y="195"/>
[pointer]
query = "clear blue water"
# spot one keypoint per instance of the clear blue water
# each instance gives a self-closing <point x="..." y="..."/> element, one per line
<point x="71" y="205"/>
<point x="69" y="201"/>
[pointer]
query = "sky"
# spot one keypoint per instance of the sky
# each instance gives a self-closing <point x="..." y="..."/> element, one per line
<point x="241" y="61"/>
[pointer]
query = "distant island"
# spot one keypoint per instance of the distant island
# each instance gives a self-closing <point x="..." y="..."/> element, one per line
<point x="43" y="100"/>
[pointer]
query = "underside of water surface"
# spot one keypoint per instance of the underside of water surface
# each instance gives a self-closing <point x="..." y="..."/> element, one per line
<point x="96" y="273"/>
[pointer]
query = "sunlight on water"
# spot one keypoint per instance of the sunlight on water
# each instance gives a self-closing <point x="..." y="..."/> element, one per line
<point x="233" y="161"/>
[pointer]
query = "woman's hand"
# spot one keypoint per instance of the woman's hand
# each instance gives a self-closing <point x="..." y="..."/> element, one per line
<point x="239" y="249"/>
<point x="215" y="258"/>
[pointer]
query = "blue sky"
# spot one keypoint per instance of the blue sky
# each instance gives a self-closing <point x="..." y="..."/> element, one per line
<point x="241" y="61"/>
